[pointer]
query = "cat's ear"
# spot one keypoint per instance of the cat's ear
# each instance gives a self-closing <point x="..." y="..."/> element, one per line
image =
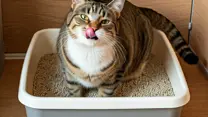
<point x="117" y="6"/>
<point x="76" y="2"/>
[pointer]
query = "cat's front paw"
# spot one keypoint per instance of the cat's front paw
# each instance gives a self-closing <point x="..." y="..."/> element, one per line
<point x="102" y="94"/>
<point x="106" y="91"/>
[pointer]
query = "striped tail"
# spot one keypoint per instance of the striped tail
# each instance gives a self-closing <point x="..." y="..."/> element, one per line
<point x="160" y="22"/>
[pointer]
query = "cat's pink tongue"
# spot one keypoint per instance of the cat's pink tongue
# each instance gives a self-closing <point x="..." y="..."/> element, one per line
<point x="90" y="34"/>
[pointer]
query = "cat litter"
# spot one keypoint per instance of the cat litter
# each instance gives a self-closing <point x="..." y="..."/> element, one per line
<point x="153" y="82"/>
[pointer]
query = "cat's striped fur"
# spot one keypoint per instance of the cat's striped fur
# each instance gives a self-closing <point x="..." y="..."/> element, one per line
<point x="131" y="31"/>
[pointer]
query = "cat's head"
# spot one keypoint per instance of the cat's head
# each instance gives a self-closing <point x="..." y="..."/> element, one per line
<point x="94" y="23"/>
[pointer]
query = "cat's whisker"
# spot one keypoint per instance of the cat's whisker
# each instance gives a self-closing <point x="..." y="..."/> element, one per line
<point x="119" y="43"/>
<point x="117" y="51"/>
<point x="121" y="57"/>
<point x="112" y="45"/>
<point x="119" y="48"/>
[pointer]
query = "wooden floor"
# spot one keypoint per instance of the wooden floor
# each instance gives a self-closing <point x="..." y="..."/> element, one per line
<point x="10" y="106"/>
<point x="9" y="83"/>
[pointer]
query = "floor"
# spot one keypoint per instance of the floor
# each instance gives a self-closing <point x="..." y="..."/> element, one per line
<point x="10" y="106"/>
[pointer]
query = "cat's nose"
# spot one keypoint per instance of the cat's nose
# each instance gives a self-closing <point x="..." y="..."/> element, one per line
<point x="90" y="34"/>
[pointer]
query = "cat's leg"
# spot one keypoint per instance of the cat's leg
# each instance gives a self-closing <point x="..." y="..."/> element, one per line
<point x="108" y="88"/>
<point x="75" y="89"/>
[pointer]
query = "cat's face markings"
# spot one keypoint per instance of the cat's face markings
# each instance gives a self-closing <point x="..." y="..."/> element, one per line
<point x="98" y="18"/>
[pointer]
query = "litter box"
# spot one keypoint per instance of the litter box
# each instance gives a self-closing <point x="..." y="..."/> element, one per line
<point x="44" y="41"/>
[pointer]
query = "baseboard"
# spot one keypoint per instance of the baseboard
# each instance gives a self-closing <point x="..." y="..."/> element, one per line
<point x="14" y="56"/>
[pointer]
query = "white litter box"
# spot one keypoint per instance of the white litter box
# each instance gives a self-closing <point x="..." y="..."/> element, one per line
<point x="44" y="42"/>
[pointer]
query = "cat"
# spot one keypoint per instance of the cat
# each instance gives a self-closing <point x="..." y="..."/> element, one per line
<point x="104" y="42"/>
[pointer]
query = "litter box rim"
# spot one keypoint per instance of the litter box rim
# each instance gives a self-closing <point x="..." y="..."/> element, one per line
<point x="99" y="103"/>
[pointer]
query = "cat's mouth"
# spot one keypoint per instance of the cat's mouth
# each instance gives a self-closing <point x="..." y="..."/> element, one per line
<point x="93" y="38"/>
<point x="90" y="34"/>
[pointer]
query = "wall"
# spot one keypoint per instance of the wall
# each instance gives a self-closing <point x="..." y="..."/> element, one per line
<point x="1" y="44"/>
<point x="177" y="11"/>
<point x="200" y="30"/>
<point x="22" y="18"/>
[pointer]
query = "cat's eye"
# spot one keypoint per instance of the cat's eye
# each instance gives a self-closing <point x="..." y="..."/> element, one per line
<point x="105" y="21"/>
<point x="84" y="17"/>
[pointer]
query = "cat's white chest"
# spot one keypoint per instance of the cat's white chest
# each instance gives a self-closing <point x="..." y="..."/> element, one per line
<point x="90" y="59"/>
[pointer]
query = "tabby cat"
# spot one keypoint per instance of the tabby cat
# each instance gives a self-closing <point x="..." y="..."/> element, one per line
<point x="104" y="42"/>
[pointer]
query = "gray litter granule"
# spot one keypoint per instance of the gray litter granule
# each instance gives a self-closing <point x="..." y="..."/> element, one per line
<point x="154" y="81"/>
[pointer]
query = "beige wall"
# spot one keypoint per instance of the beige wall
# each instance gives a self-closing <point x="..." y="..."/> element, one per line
<point x="22" y="18"/>
<point x="200" y="30"/>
